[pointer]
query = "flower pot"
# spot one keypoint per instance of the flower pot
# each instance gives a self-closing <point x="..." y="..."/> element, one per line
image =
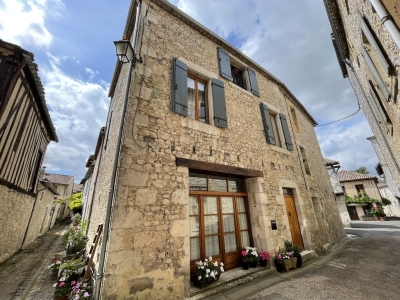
<point x="294" y="262"/>
<point x="263" y="263"/>
<point x="279" y="265"/>
<point x="382" y="218"/>
<point x="202" y="284"/>
<point x="287" y="263"/>
<point x="245" y="265"/>
<point x="253" y="264"/>
<point x="62" y="298"/>
<point x="299" y="261"/>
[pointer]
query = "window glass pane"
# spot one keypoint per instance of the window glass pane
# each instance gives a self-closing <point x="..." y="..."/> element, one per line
<point x="197" y="182"/>
<point x="191" y="98"/>
<point x="194" y="226"/>
<point x="194" y="248"/>
<point x="236" y="184"/>
<point x="194" y="205"/>
<point x="230" y="242"/>
<point x="243" y="221"/>
<point x="229" y="223"/>
<point x="217" y="183"/>
<point x="212" y="245"/>
<point x="244" y="235"/>
<point x="240" y="204"/>
<point x="211" y="225"/>
<point x="210" y="205"/>
<point x="227" y="205"/>
<point x="202" y="102"/>
<point x="274" y="129"/>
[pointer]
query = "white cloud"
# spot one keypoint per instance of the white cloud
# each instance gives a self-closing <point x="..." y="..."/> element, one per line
<point x="23" y="22"/>
<point x="78" y="110"/>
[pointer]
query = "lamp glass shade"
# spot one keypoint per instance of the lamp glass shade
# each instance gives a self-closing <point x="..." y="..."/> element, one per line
<point x="124" y="51"/>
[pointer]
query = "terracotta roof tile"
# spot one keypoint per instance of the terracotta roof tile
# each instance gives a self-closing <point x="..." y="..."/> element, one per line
<point x="59" y="179"/>
<point x="351" y="176"/>
<point x="77" y="188"/>
<point x="328" y="161"/>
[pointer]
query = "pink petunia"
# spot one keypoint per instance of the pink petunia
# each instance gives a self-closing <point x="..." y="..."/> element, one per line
<point x="279" y="256"/>
<point x="244" y="253"/>
<point x="86" y="294"/>
<point x="73" y="282"/>
<point x="62" y="283"/>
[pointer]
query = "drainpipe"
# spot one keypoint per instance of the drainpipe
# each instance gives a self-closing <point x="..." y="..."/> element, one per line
<point x="111" y="194"/>
<point x="386" y="19"/>
<point x="30" y="217"/>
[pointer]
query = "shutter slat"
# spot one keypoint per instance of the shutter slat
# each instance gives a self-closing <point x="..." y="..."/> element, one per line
<point x="253" y="82"/>
<point x="218" y="92"/>
<point x="373" y="43"/>
<point x="286" y="132"/>
<point x="179" y="103"/>
<point x="375" y="73"/>
<point x="224" y="64"/>
<point x="267" y="124"/>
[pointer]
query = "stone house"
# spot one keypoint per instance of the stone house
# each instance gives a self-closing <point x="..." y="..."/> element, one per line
<point x="64" y="185"/>
<point x="366" y="38"/>
<point x="332" y="167"/>
<point x="25" y="131"/>
<point x="205" y="152"/>
<point x="391" y="210"/>
<point x="355" y="184"/>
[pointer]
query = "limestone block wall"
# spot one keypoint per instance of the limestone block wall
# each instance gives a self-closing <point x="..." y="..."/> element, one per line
<point x="149" y="254"/>
<point x="387" y="136"/>
<point x="369" y="187"/>
<point x="15" y="210"/>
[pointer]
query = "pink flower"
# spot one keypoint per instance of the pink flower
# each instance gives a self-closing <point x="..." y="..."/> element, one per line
<point x="86" y="294"/>
<point x="279" y="256"/>
<point x="62" y="283"/>
<point x="73" y="282"/>
<point x="84" y="285"/>
<point x="244" y="253"/>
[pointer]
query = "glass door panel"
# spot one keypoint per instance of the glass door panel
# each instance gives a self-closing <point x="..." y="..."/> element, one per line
<point x="211" y="225"/>
<point x="244" y="236"/>
<point x="194" y="248"/>
<point x="212" y="245"/>
<point x="230" y="242"/>
<point x="210" y="205"/>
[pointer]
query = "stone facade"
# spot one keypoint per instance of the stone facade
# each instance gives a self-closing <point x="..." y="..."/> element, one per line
<point x="369" y="56"/>
<point x="148" y="253"/>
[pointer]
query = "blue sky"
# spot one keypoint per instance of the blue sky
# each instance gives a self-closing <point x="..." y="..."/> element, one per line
<point x="73" y="45"/>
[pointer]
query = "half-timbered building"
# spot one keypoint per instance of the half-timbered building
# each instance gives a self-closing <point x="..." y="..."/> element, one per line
<point x="25" y="131"/>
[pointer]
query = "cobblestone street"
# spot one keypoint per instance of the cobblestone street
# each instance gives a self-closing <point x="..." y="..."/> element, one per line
<point x="24" y="276"/>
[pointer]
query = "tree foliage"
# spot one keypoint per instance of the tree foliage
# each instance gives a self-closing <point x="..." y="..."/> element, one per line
<point x="362" y="170"/>
<point x="75" y="202"/>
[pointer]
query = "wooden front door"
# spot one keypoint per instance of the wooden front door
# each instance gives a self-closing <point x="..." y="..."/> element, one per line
<point x="353" y="213"/>
<point x="293" y="221"/>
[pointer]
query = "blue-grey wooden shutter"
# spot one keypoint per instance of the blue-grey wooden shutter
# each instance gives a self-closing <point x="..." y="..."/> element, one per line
<point x="375" y="73"/>
<point x="179" y="103"/>
<point x="253" y="82"/>
<point x="368" y="34"/>
<point x="224" y="64"/>
<point x="267" y="124"/>
<point x="218" y="92"/>
<point x="286" y="132"/>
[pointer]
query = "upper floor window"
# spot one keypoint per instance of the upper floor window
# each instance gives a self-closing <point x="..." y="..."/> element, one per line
<point x="238" y="77"/>
<point x="275" y="138"/>
<point x="360" y="190"/>
<point x="197" y="99"/>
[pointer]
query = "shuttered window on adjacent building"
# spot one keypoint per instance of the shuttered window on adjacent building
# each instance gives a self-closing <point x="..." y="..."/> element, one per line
<point x="179" y="102"/>
<point x="235" y="73"/>
<point x="270" y="125"/>
<point x="286" y="132"/>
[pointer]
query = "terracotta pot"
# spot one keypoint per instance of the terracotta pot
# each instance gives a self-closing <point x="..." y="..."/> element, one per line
<point x="62" y="298"/>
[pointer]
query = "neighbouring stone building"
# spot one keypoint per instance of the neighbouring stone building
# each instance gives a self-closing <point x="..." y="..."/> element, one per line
<point x="25" y="131"/>
<point x="216" y="154"/>
<point x="366" y="38"/>
<point x="393" y="209"/>
<point x="64" y="184"/>
<point x="332" y="167"/>
<point x="355" y="184"/>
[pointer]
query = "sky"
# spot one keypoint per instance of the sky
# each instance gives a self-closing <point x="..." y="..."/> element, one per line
<point x="73" y="46"/>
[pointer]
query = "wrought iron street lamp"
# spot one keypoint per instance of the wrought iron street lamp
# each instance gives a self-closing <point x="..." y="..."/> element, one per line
<point x="124" y="50"/>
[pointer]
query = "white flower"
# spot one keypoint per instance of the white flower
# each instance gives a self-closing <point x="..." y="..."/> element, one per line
<point x="48" y="267"/>
<point x="222" y="264"/>
<point x="206" y="260"/>
<point x="206" y="275"/>
<point x="216" y="264"/>
<point x="62" y="279"/>
<point x="55" y="285"/>
<point x="208" y="271"/>
<point x="200" y="263"/>
<point x="199" y="278"/>
<point x="58" y="262"/>
<point x="222" y="269"/>
<point x="210" y="258"/>
<point x="202" y="267"/>
<point x="196" y="263"/>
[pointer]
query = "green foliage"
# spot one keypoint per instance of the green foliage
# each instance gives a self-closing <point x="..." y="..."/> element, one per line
<point x="386" y="201"/>
<point x="71" y="267"/>
<point x="290" y="247"/>
<point x="75" y="202"/>
<point x="74" y="239"/>
<point x="59" y="201"/>
<point x="378" y="213"/>
<point x="362" y="170"/>
<point x="76" y="218"/>
<point x="363" y="199"/>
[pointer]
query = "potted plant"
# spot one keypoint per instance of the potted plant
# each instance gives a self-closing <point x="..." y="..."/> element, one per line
<point x="207" y="272"/>
<point x="55" y="266"/>
<point x="264" y="257"/>
<point x="250" y="255"/>
<point x="76" y="218"/>
<point x="62" y="291"/>
<point x="71" y="269"/>
<point x="278" y="261"/>
<point x="75" y="240"/>
<point x="295" y="250"/>
<point x="80" y="290"/>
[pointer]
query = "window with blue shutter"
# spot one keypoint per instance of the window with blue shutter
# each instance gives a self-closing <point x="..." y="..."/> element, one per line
<point x="286" y="132"/>
<point x="253" y="82"/>
<point x="218" y="92"/>
<point x="267" y="124"/>
<point x="179" y="103"/>
<point x="224" y="64"/>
